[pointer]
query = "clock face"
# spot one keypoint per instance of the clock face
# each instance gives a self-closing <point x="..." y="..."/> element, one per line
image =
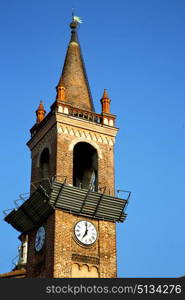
<point x="40" y="238"/>
<point x="85" y="232"/>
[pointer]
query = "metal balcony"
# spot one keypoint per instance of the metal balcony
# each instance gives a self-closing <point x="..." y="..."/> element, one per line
<point x="67" y="198"/>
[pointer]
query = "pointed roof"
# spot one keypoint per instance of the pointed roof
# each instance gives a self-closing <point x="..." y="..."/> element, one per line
<point x="105" y="94"/>
<point x="41" y="107"/>
<point x="74" y="77"/>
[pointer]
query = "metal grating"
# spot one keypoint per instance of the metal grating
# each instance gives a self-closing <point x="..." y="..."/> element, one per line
<point x="85" y="202"/>
<point x="68" y="198"/>
<point x="31" y="212"/>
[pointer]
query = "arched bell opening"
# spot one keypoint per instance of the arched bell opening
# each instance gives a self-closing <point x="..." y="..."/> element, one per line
<point x="85" y="166"/>
<point x="44" y="167"/>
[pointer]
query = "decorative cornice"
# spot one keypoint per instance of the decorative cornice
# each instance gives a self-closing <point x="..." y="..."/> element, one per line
<point x="85" y="134"/>
<point x="80" y="124"/>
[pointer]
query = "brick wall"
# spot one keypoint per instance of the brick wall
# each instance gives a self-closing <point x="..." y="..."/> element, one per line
<point x="41" y="264"/>
<point x="102" y="254"/>
<point x="61" y="250"/>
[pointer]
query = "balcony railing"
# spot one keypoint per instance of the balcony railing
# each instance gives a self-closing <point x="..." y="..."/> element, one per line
<point x="85" y="115"/>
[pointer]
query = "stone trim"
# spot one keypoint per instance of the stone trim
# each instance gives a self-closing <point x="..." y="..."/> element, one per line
<point x="85" y="259"/>
<point x="86" y="134"/>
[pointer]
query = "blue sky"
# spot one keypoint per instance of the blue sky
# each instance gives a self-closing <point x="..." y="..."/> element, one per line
<point x="135" y="49"/>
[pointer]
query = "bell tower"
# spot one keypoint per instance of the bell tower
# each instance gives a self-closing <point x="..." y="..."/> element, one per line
<point x="70" y="217"/>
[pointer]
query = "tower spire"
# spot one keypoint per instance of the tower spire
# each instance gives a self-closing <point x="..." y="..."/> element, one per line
<point x="74" y="77"/>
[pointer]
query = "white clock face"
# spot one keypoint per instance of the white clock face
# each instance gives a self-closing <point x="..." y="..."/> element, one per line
<point x="40" y="238"/>
<point x="85" y="232"/>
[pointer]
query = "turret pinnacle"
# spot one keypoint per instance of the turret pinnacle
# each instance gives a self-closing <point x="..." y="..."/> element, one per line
<point x="74" y="78"/>
<point x="105" y="101"/>
<point x="40" y="112"/>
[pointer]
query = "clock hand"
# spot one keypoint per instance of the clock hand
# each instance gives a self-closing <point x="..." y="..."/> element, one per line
<point x="86" y="231"/>
<point x="38" y="240"/>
